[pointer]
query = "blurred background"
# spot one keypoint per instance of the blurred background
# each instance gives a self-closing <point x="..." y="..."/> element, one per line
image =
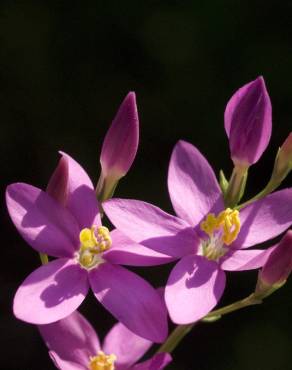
<point x="65" y="68"/>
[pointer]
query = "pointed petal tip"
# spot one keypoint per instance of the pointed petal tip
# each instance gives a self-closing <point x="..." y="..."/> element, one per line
<point x="262" y="83"/>
<point x="260" y="79"/>
<point x="131" y="96"/>
<point x="257" y="84"/>
<point x="63" y="154"/>
<point x="181" y="143"/>
<point x="129" y="103"/>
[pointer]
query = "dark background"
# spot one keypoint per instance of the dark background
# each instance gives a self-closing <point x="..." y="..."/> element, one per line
<point x="65" y="66"/>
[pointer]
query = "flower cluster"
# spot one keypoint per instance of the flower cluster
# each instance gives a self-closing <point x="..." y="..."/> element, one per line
<point x="211" y="233"/>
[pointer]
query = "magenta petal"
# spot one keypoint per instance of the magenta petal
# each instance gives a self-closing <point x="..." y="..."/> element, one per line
<point x="72" y="338"/>
<point x="58" y="185"/>
<point x="126" y="252"/>
<point x="43" y="223"/>
<point x="192" y="184"/>
<point x="51" y="292"/>
<point x="148" y="225"/>
<point x="65" y="365"/>
<point x="81" y="200"/>
<point x="131" y="299"/>
<point x="241" y="260"/>
<point x="248" y="122"/>
<point x="127" y="346"/>
<point x="194" y="287"/>
<point x="265" y="219"/>
<point x="121" y="141"/>
<point x="157" y="362"/>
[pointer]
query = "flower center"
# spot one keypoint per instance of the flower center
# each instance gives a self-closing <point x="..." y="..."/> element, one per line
<point x="221" y="230"/>
<point x="93" y="242"/>
<point x="102" y="362"/>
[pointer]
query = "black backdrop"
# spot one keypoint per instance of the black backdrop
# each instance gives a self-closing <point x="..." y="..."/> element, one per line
<point x="64" y="69"/>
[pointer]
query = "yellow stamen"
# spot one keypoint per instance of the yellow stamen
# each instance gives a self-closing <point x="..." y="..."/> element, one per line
<point x="228" y="221"/>
<point x="93" y="242"/>
<point x="210" y="224"/>
<point x="102" y="361"/>
<point x="97" y="239"/>
<point x="87" y="238"/>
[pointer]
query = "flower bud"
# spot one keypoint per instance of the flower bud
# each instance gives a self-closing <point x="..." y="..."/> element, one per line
<point x="283" y="162"/>
<point x="278" y="266"/>
<point x="248" y="122"/>
<point x="119" y="147"/>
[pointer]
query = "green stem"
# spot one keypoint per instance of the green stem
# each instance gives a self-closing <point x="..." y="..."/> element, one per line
<point x="248" y="301"/>
<point x="175" y="338"/>
<point x="182" y="330"/>
<point x="105" y="188"/>
<point x="236" y="186"/>
<point x="267" y="190"/>
<point x="44" y="258"/>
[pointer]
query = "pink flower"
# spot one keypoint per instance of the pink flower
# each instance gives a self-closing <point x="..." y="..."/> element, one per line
<point x="74" y="345"/>
<point x="248" y="122"/>
<point x="119" y="146"/>
<point x="66" y="224"/>
<point x="207" y="237"/>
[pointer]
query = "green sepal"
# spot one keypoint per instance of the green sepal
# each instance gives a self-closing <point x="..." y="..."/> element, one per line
<point x="211" y="318"/>
<point x="223" y="182"/>
<point x="264" y="290"/>
<point x="243" y="185"/>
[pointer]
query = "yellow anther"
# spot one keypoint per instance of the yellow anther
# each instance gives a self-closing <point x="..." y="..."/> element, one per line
<point x="87" y="238"/>
<point x="102" y="361"/>
<point x="93" y="242"/>
<point x="95" y="238"/>
<point x="210" y="224"/>
<point x="227" y="221"/>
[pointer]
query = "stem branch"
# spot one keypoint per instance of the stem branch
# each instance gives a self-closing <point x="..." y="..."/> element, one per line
<point x="182" y="330"/>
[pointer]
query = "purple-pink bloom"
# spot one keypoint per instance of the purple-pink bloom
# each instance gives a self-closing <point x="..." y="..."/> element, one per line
<point x="278" y="266"/>
<point x="248" y="122"/>
<point x="74" y="345"/>
<point x="65" y="222"/>
<point x="197" y="282"/>
<point x="119" y="146"/>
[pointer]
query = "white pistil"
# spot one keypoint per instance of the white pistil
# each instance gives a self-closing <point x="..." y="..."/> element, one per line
<point x="213" y="248"/>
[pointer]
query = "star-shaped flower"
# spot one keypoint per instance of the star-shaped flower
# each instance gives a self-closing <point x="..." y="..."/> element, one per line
<point x="208" y="237"/>
<point x="65" y="222"/>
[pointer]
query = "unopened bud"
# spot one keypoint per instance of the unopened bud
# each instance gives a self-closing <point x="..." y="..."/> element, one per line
<point x="283" y="162"/>
<point x="277" y="268"/>
<point x="248" y="122"/>
<point x="119" y="147"/>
